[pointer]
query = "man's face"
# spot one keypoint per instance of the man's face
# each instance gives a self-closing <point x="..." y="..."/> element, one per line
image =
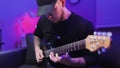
<point x="57" y="13"/>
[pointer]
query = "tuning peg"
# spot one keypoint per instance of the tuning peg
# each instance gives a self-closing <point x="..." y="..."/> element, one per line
<point x="99" y="52"/>
<point x="57" y="37"/>
<point x="99" y="33"/>
<point x="104" y="33"/>
<point x="109" y="34"/>
<point x="95" y="33"/>
<point x="48" y="43"/>
<point x="103" y="49"/>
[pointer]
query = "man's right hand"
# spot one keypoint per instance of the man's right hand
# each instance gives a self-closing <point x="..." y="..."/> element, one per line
<point x="39" y="54"/>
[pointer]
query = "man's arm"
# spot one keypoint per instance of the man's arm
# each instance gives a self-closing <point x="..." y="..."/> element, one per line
<point x="77" y="62"/>
<point x="67" y="60"/>
<point x="38" y="52"/>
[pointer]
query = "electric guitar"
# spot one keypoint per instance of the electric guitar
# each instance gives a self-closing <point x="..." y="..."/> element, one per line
<point x="92" y="43"/>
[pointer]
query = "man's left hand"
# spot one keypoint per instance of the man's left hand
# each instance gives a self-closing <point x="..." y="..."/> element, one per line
<point x="64" y="59"/>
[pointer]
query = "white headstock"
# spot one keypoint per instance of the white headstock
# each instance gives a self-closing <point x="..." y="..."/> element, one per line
<point x="98" y="40"/>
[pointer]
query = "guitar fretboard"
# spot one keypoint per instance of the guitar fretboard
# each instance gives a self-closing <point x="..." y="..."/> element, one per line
<point x="67" y="48"/>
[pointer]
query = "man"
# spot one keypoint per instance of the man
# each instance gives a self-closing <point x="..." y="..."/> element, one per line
<point x="59" y="26"/>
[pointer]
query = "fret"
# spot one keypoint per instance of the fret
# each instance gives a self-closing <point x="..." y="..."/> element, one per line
<point x="81" y="44"/>
<point x="78" y="45"/>
<point x="74" y="45"/>
<point x="54" y="50"/>
<point x="62" y="50"/>
<point x="67" y="48"/>
<point x="47" y="52"/>
<point x="59" y="49"/>
<point x="71" y="47"/>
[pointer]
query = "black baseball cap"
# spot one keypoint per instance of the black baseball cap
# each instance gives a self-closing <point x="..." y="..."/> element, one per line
<point x="45" y="6"/>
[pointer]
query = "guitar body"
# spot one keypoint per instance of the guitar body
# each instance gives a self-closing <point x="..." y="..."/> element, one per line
<point x="46" y="63"/>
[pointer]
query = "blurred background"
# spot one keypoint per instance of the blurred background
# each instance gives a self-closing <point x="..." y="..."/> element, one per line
<point x="18" y="17"/>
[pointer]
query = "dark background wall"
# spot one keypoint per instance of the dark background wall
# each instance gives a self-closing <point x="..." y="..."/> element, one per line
<point x="111" y="58"/>
<point x="13" y="10"/>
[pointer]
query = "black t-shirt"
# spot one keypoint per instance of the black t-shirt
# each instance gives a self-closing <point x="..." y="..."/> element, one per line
<point x="73" y="29"/>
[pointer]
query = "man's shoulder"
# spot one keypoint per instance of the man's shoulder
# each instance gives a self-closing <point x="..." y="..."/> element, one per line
<point x="42" y="20"/>
<point x="82" y="22"/>
<point x="79" y="18"/>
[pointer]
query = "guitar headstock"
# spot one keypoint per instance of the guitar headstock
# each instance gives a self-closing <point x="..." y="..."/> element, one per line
<point x="98" y="40"/>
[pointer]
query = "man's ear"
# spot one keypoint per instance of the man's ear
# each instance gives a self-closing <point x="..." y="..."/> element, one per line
<point x="63" y="2"/>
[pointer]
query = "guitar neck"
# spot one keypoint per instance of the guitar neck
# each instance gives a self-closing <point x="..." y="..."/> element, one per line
<point x="67" y="48"/>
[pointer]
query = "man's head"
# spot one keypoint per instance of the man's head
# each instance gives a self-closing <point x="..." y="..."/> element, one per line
<point x="53" y="9"/>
